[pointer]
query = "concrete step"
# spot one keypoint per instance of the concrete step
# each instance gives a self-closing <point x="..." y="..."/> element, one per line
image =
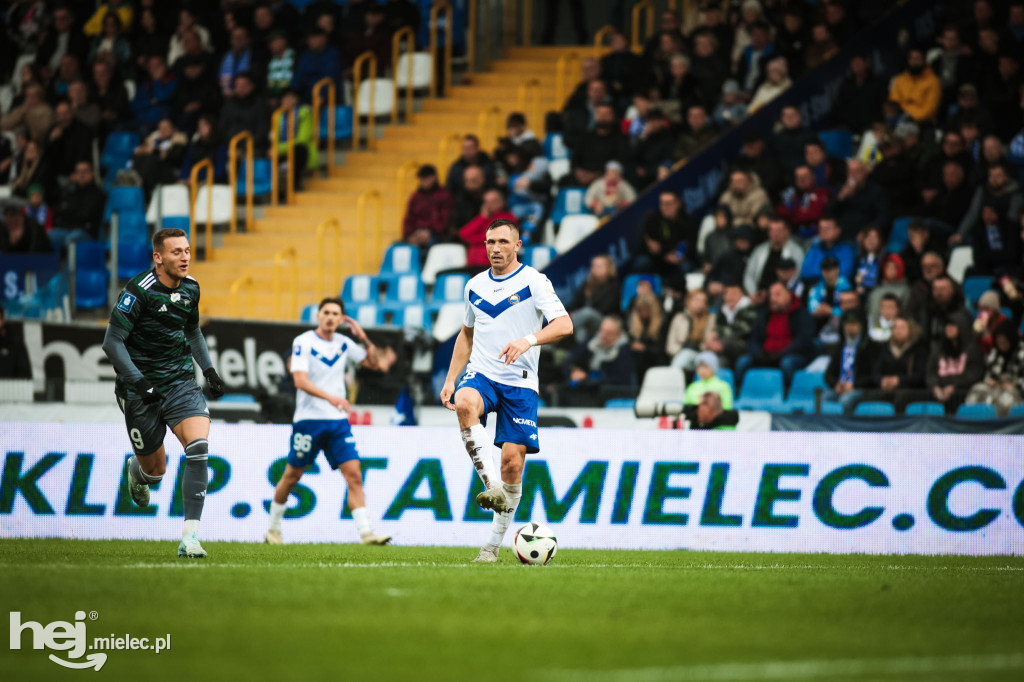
<point x="510" y="80"/>
<point x="548" y="52"/>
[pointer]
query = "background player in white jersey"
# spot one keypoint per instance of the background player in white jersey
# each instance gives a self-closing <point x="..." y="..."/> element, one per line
<point x="318" y="362"/>
<point x="504" y="309"/>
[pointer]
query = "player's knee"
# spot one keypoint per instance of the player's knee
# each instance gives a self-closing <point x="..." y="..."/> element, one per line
<point x="153" y="465"/>
<point x="291" y="475"/>
<point x="466" y="405"/>
<point x="353" y="477"/>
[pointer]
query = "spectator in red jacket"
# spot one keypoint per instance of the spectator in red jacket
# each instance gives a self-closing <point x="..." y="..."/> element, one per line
<point x="474" y="233"/>
<point x="803" y="203"/>
<point x="426" y="216"/>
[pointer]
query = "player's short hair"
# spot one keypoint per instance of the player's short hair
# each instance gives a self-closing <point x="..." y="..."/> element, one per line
<point x="332" y="299"/>
<point x="504" y="222"/>
<point x="163" y="235"/>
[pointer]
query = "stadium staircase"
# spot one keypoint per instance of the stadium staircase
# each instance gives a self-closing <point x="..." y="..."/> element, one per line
<point x="419" y="140"/>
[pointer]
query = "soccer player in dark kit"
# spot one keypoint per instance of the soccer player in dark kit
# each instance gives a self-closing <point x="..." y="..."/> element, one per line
<point x="152" y="339"/>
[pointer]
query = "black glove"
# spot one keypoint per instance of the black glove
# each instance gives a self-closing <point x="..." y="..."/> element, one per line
<point x="215" y="383"/>
<point x="148" y="392"/>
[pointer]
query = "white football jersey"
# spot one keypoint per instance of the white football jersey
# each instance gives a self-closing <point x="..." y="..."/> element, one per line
<point x="504" y="309"/>
<point x="325" y="362"/>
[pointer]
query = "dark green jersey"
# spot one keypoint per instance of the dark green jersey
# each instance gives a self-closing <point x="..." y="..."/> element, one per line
<point x="156" y="319"/>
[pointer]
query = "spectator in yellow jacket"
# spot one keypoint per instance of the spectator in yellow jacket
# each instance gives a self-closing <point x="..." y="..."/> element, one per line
<point x="94" y="26"/>
<point x="917" y="90"/>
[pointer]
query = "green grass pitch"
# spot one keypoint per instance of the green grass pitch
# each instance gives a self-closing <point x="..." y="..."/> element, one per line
<point x="347" y="612"/>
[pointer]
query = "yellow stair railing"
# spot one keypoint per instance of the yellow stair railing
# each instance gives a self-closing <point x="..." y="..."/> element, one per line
<point x="444" y="157"/>
<point x="449" y="16"/>
<point x="250" y="285"/>
<point x="600" y="49"/>
<point x="193" y="183"/>
<point x="396" y="50"/>
<point x="275" y="140"/>
<point x="488" y="126"/>
<point x="321" y="255"/>
<point x="280" y="257"/>
<point x="536" y="112"/>
<point x="357" y="81"/>
<point x="244" y="136"/>
<point x="406" y="174"/>
<point x="645" y="7"/>
<point x="566" y="62"/>
<point x="332" y="112"/>
<point x="377" y="227"/>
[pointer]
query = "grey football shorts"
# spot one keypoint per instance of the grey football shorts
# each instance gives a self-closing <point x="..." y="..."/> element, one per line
<point x="148" y="424"/>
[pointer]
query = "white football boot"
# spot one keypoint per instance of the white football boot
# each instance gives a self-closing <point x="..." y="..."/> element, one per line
<point x="488" y="555"/>
<point x="138" y="491"/>
<point x="273" y="537"/>
<point x="493" y="498"/>
<point x="190" y="548"/>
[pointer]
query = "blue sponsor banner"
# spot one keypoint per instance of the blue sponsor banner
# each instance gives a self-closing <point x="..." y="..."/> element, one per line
<point x="13" y="269"/>
<point x="698" y="181"/>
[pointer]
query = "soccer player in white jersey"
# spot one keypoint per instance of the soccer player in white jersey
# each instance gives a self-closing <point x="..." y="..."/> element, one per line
<point x="318" y="362"/>
<point x="501" y="331"/>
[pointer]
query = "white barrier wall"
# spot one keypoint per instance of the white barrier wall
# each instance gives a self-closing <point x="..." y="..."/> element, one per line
<point x="772" y="492"/>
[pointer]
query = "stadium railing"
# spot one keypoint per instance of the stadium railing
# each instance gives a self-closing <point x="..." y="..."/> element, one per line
<point x="236" y="286"/>
<point x="332" y="116"/>
<point x="489" y="125"/>
<point x="357" y="96"/>
<point x="645" y="8"/>
<point x="333" y="226"/>
<point x="449" y="16"/>
<point x="290" y="255"/>
<point x="566" y="64"/>
<point x="409" y="36"/>
<point x="193" y="183"/>
<point x="446" y="157"/>
<point x="531" y="89"/>
<point x="275" y="164"/>
<point x="246" y="137"/>
<point x="406" y="180"/>
<point x="376" y="228"/>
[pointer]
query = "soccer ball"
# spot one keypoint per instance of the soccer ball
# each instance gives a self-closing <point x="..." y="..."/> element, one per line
<point x="535" y="544"/>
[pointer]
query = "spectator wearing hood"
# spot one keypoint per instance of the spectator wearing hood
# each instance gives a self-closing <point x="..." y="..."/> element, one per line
<point x="892" y="281"/>
<point x="428" y="211"/>
<point x="602" y="367"/>
<point x="851" y="365"/>
<point x="1003" y="384"/>
<point x="783" y="336"/>
<point x="730" y="110"/>
<point x="917" y="90"/>
<point x="955" y="363"/>
<point x="734" y="323"/>
<point x="901" y="361"/>
<point x="707" y="380"/>
<point x="744" y="197"/>
<point x="989" y="317"/>
<point x="1001" y="192"/>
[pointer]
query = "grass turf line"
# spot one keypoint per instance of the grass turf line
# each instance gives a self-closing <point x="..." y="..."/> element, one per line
<point x="254" y="612"/>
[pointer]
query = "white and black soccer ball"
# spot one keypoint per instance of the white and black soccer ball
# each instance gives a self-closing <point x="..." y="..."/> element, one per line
<point x="535" y="544"/>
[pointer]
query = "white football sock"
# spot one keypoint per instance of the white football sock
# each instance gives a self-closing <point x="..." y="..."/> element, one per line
<point x="475" y="439"/>
<point x="499" y="526"/>
<point x="362" y="519"/>
<point x="191" y="526"/>
<point x="276" y="514"/>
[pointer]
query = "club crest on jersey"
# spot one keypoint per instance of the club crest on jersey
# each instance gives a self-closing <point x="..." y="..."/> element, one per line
<point x="513" y="299"/>
<point x="175" y="297"/>
<point x="126" y="303"/>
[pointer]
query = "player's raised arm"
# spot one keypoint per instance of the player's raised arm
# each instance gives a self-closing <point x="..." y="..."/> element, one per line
<point x="460" y="356"/>
<point x="376" y="358"/>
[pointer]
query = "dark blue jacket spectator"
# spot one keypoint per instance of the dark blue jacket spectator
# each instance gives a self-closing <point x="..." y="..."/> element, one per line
<point x="828" y="244"/>
<point x="154" y="98"/>
<point x="319" y="61"/>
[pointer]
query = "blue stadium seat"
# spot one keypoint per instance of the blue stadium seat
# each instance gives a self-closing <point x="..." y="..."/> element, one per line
<point x="874" y="409"/>
<point x="118" y="148"/>
<point x="122" y="199"/>
<point x="132" y="227"/>
<point x="979" y="411"/>
<point x="90" y="289"/>
<point x="801" y="392"/>
<point x="359" y="290"/>
<point x="629" y="287"/>
<point x="368" y="315"/>
<point x="837" y="142"/>
<point x="620" y="404"/>
<point x="538" y="256"/>
<point x="402" y="291"/>
<point x="133" y="258"/>
<point x="568" y="202"/>
<point x="974" y="287"/>
<point x="176" y="221"/>
<point x="931" y="409"/>
<point x="554" y="147"/>
<point x="309" y="313"/>
<point x="761" y="390"/>
<point x="726" y="375"/>
<point x="90" y="255"/>
<point x="898" y="237"/>
<point x="400" y="259"/>
<point x="342" y="123"/>
<point x="415" y="315"/>
<point x="260" y="178"/>
<point x="449" y="288"/>
<point x="831" y="407"/>
<point x="1017" y="410"/>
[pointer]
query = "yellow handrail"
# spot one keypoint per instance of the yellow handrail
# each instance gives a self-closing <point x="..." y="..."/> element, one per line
<point x="602" y="33"/>
<point x="357" y="81"/>
<point x="449" y="15"/>
<point x="250" y="157"/>
<point x="471" y="36"/>
<point x="279" y="258"/>
<point x="562" y="77"/>
<point x="321" y="254"/>
<point x="490" y="115"/>
<point x="275" y="141"/>
<point x="444" y="159"/>
<point x="406" y="171"/>
<point x="647" y="7"/>
<point x="332" y="112"/>
<point x="410" y="51"/>
<point x="378" y="225"/>
<point x="247" y="282"/>
<point x="193" y="183"/>
<point x="536" y="112"/>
